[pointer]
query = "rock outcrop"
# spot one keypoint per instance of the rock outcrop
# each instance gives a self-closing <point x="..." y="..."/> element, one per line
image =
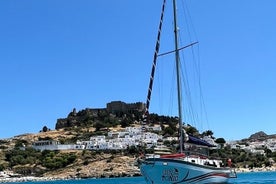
<point x="258" y="136"/>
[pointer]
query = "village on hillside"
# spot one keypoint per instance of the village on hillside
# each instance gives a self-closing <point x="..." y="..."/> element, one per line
<point x="113" y="142"/>
<point x="135" y="136"/>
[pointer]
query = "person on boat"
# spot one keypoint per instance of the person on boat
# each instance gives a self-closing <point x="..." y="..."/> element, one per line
<point x="229" y="162"/>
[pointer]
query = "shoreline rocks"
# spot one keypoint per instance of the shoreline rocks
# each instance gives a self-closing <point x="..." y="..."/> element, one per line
<point x="5" y="178"/>
<point x="257" y="169"/>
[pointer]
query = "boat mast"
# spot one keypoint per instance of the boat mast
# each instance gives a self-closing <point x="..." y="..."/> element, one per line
<point x="177" y="60"/>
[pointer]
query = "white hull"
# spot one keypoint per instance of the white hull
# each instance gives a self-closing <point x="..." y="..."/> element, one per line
<point x="177" y="171"/>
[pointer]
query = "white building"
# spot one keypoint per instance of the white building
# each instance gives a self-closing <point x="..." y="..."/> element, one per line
<point x="55" y="145"/>
<point x="131" y="136"/>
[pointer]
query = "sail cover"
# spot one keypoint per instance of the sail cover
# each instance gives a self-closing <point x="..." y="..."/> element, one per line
<point x="197" y="141"/>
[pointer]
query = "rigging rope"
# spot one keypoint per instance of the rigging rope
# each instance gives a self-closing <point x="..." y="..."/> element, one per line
<point x="190" y="110"/>
<point x="196" y="65"/>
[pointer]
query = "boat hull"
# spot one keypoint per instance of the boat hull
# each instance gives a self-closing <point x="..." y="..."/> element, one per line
<point x="177" y="171"/>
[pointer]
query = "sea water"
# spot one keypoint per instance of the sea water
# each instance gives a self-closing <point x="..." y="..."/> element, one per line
<point x="243" y="178"/>
<point x="255" y="177"/>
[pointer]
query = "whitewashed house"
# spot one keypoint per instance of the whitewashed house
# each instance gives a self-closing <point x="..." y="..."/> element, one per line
<point x="150" y="139"/>
<point x="55" y="145"/>
<point x="134" y="130"/>
<point x="97" y="143"/>
<point x="131" y="136"/>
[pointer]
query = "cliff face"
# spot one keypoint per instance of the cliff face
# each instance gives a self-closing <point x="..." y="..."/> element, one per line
<point x="90" y="116"/>
<point x="81" y="118"/>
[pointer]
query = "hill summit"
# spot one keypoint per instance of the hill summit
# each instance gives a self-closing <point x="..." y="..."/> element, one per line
<point x="92" y="116"/>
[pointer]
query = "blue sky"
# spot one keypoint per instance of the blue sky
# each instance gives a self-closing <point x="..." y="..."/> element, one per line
<point x="60" y="55"/>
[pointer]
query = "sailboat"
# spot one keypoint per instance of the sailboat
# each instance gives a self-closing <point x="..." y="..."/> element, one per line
<point x="185" y="166"/>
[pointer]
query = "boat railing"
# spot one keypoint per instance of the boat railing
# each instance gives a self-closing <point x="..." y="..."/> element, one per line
<point x="194" y="154"/>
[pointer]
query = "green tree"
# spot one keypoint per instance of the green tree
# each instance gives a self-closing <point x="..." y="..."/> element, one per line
<point x="55" y="160"/>
<point x="208" y="133"/>
<point x="268" y="152"/>
<point x="125" y="123"/>
<point x="191" y="130"/>
<point x="220" y="141"/>
<point x="20" y="143"/>
<point x="168" y="131"/>
<point x="45" y="129"/>
<point x="2" y="167"/>
<point x="98" y="126"/>
<point x="22" y="157"/>
<point x="132" y="150"/>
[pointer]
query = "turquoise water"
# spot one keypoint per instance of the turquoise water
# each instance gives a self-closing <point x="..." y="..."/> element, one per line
<point x="255" y="177"/>
<point x="243" y="178"/>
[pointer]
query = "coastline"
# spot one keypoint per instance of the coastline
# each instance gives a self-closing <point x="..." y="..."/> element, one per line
<point x="257" y="169"/>
<point x="34" y="178"/>
<point x="27" y="179"/>
<point x="11" y="179"/>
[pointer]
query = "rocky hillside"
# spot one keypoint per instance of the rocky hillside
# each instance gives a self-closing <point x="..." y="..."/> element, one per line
<point x="116" y="112"/>
<point x="258" y="136"/>
<point x="97" y="118"/>
<point x="98" y="166"/>
<point x="63" y="164"/>
<point x="16" y="153"/>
